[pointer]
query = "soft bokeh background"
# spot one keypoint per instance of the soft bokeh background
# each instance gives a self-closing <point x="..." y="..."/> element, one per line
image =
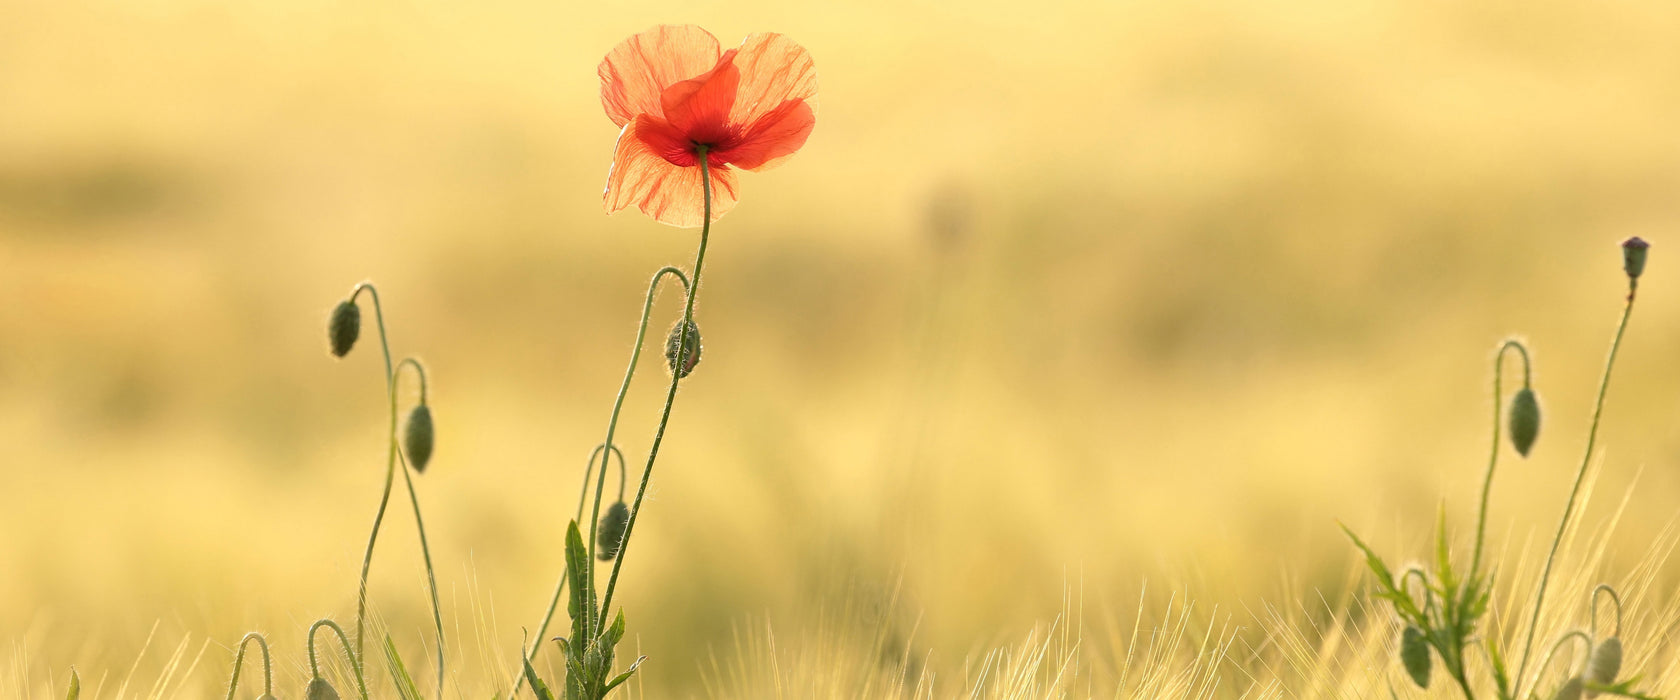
<point x="1096" y="296"/>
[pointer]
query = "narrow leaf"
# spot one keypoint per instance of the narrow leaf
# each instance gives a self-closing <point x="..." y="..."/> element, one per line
<point x="622" y="677"/>
<point x="399" y="672"/>
<point x="538" y="687"/>
<point x="75" y="685"/>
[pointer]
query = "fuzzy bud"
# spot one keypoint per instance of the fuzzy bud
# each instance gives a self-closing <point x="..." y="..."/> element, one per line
<point x="1414" y="655"/>
<point x="610" y="537"/>
<point x="1605" y="663"/>
<point x="673" y="346"/>
<point x="1525" y="420"/>
<point x="320" y="689"/>
<point x="1633" y="256"/>
<point x="417" y="438"/>
<point x="345" y="327"/>
<point x="1570" y="690"/>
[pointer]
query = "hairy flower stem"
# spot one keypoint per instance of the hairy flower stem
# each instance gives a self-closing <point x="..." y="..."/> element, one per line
<point x="1574" y="491"/>
<point x="665" y="416"/>
<point x="391" y="458"/>
<point x="239" y="663"/>
<point x="612" y="426"/>
<point x="1493" y="458"/>
<point x="344" y="641"/>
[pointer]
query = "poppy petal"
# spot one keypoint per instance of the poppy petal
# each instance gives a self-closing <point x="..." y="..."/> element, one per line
<point x="670" y="193"/>
<point x="774" y="70"/>
<point x="773" y="138"/>
<point x="637" y="71"/>
<point x="699" y="107"/>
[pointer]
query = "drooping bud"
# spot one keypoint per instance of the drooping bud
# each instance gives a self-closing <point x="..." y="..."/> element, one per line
<point x="674" y="345"/>
<point x="610" y="535"/>
<point x="320" y="689"/>
<point x="345" y="327"/>
<point x="1525" y="420"/>
<point x="1605" y="663"/>
<point x="1633" y="256"/>
<point x="1570" y="690"/>
<point x="1414" y="655"/>
<point x="417" y="438"/>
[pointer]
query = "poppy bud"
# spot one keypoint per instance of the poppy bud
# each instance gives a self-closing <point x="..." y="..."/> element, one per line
<point x="320" y="689"/>
<point x="610" y="537"/>
<point x="417" y="438"/>
<point x="1605" y="663"/>
<point x="1570" y="690"/>
<point x="345" y="326"/>
<point x="673" y="346"/>
<point x="1525" y="420"/>
<point x="1633" y="256"/>
<point x="1414" y="655"/>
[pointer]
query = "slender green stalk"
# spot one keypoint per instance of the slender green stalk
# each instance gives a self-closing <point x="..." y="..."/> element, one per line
<point x="612" y="427"/>
<point x="390" y="469"/>
<point x="1493" y="457"/>
<point x="391" y="459"/>
<point x="1574" y="491"/>
<point x="343" y="641"/>
<point x="239" y="663"/>
<point x="670" y="398"/>
<point x="431" y="578"/>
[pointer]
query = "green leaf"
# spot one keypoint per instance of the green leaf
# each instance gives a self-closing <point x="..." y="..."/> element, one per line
<point x="622" y="677"/>
<point x="581" y="606"/>
<point x="1622" y="689"/>
<point x="399" y="672"/>
<point x="538" y="687"/>
<point x="1386" y="588"/>
<point x="1496" y="660"/>
<point x="75" y="685"/>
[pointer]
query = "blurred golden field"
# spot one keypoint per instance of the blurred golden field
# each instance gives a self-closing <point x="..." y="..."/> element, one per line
<point x="1067" y="316"/>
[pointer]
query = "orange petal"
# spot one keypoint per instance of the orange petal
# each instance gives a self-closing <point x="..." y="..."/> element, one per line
<point x="774" y="70"/>
<point x="772" y="138"/>
<point x="669" y="193"/>
<point x="637" y="71"/>
<point x="699" y="107"/>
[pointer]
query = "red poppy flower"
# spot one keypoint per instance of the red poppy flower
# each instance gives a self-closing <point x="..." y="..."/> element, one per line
<point x="673" y="91"/>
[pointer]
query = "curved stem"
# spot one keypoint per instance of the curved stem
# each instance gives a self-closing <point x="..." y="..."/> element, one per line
<point x="670" y="396"/>
<point x="1574" y="491"/>
<point x="612" y="426"/>
<point x="1493" y="458"/>
<point x="1423" y="579"/>
<point x="239" y="663"/>
<point x="590" y="470"/>
<point x="1615" y="597"/>
<point x="1573" y="634"/>
<point x="390" y="468"/>
<point x="343" y="641"/>
<point x="419" y="371"/>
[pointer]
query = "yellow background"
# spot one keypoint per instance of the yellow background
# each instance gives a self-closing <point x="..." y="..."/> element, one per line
<point x="1093" y="296"/>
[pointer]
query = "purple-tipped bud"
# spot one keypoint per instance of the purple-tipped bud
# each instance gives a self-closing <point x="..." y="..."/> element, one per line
<point x="1633" y="256"/>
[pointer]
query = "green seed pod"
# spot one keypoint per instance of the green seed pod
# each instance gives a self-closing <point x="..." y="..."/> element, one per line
<point x="417" y="438"/>
<point x="1525" y="420"/>
<point x="673" y="345"/>
<point x="345" y="327"/>
<point x="320" y="689"/>
<point x="1605" y="663"/>
<point x="1570" y="690"/>
<point x="1414" y="655"/>
<point x="1633" y="256"/>
<point x="610" y="536"/>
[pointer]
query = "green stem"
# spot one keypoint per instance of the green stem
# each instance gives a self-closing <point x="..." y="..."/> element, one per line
<point x="431" y="578"/>
<point x="1615" y="597"/>
<point x="670" y="395"/>
<point x="392" y="456"/>
<point x="1493" y="457"/>
<point x="1574" y="491"/>
<point x="343" y="641"/>
<point x="390" y="468"/>
<point x="612" y="427"/>
<point x="239" y="663"/>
